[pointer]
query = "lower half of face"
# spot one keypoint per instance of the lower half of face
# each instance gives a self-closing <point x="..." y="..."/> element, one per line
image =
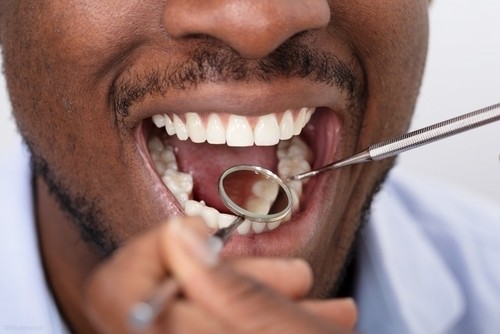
<point x="130" y="127"/>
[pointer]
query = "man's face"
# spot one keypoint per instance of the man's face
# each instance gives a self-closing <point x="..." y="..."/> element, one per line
<point x="87" y="78"/>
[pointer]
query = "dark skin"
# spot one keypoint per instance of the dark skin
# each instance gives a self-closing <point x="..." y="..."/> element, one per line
<point x="67" y="65"/>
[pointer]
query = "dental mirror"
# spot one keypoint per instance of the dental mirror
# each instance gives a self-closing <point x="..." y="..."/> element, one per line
<point x="253" y="193"/>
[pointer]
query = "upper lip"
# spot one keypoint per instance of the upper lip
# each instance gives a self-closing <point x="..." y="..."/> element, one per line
<point x="240" y="99"/>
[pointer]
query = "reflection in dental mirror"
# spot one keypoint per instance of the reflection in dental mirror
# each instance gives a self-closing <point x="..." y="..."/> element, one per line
<point x="255" y="193"/>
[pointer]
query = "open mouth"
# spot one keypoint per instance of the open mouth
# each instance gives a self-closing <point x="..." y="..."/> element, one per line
<point x="190" y="151"/>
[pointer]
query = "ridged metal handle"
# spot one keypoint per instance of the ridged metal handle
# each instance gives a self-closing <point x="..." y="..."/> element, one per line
<point x="435" y="132"/>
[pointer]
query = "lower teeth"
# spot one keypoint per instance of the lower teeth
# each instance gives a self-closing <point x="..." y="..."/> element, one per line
<point x="293" y="156"/>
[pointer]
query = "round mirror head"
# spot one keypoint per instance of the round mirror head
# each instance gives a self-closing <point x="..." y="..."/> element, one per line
<point x="255" y="193"/>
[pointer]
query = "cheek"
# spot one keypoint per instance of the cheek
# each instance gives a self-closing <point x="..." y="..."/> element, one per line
<point x="390" y="41"/>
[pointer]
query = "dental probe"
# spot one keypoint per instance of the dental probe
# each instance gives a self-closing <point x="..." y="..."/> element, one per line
<point x="414" y="139"/>
<point x="144" y="313"/>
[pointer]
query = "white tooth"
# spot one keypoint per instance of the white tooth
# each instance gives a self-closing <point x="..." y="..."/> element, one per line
<point x="258" y="227"/>
<point x="196" y="129"/>
<point x="298" y="149"/>
<point x="168" y="157"/>
<point x="216" y="133"/>
<point x="211" y="216"/>
<point x="179" y="184"/>
<point x="283" y="146"/>
<point x="286" y="126"/>
<point x="169" y="126"/>
<point x="273" y="226"/>
<point x="180" y="128"/>
<point x="266" y="189"/>
<point x="258" y="205"/>
<point x="296" y="186"/>
<point x="225" y="220"/>
<point x="193" y="208"/>
<point x="300" y="121"/>
<point x="267" y="131"/>
<point x="155" y="145"/>
<point x="309" y="113"/>
<point x="295" y="200"/>
<point x="161" y="166"/>
<point x="244" y="228"/>
<point x="159" y="121"/>
<point x="238" y="132"/>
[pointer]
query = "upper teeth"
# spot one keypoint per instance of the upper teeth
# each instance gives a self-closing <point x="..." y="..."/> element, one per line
<point x="236" y="130"/>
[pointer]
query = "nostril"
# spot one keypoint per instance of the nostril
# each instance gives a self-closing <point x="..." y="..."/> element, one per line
<point x="253" y="28"/>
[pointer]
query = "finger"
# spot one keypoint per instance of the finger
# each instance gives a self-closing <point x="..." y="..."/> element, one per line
<point x="184" y="317"/>
<point x="131" y="275"/>
<point x="273" y="272"/>
<point x="340" y="312"/>
<point x="237" y="301"/>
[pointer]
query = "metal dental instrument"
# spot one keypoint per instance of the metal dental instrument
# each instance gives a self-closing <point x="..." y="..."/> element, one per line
<point x="279" y="207"/>
<point x="414" y="139"/>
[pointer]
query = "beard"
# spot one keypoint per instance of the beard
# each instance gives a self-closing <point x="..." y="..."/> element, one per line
<point x="86" y="213"/>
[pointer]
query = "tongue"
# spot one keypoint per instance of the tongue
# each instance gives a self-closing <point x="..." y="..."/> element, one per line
<point x="207" y="162"/>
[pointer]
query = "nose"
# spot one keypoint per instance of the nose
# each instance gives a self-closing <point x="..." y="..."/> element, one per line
<point x="253" y="28"/>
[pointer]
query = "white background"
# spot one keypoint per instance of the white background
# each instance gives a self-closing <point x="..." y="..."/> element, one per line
<point x="463" y="74"/>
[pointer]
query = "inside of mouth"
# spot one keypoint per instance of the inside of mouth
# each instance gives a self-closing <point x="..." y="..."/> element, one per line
<point x="206" y="162"/>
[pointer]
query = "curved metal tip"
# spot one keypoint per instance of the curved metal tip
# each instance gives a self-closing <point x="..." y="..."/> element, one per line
<point x="363" y="156"/>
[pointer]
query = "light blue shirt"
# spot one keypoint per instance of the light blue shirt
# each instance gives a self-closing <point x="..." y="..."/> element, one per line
<point x="429" y="260"/>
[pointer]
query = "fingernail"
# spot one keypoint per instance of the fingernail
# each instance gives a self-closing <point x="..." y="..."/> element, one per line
<point x="204" y="250"/>
<point x="348" y="301"/>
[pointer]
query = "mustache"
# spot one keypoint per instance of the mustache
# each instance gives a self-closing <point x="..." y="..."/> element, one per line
<point x="209" y="64"/>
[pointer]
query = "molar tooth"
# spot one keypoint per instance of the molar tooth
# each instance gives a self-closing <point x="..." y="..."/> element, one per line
<point x="159" y="120"/>
<point x="238" y="132"/>
<point x="168" y="157"/>
<point x="258" y="205"/>
<point x="298" y="149"/>
<point x="266" y="189"/>
<point x="180" y="128"/>
<point x="193" y="208"/>
<point x="295" y="200"/>
<point x="267" y="131"/>
<point x="286" y="126"/>
<point x="169" y="126"/>
<point x="216" y="133"/>
<point x="155" y="145"/>
<point x="196" y="129"/>
<point x="161" y="166"/>
<point x="179" y="184"/>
